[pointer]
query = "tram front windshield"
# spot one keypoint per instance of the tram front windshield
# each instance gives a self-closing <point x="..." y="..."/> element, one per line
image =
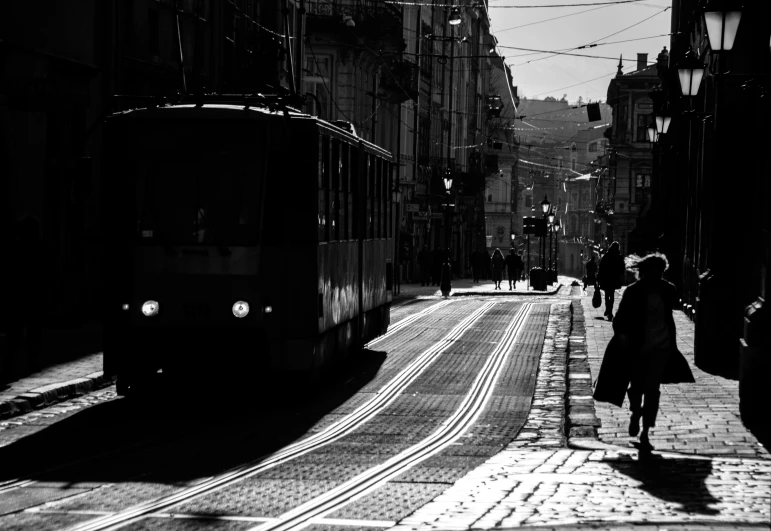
<point x="199" y="190"/>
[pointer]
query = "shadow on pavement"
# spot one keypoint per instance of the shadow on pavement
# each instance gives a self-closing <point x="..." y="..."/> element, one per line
<point x="174" y="438"/>
<point x="671" y="479"/>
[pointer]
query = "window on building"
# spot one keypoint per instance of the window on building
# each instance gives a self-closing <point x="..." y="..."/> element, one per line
<point x="528" y="201"/>
<point x="642" y="187"/>
<point x="573" y="164"/>
<point x="641" y="134"/>
<point x="318" y="73"/>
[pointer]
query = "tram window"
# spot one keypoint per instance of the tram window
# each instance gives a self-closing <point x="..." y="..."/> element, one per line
<point x="354" y="192"/>
<point x="376" y="193"/>
<point x="386" y="200"/>
<point x="335" y="190"/>
<point x="345" y="171"/>
<point x="323" y="214"/>
<point x="389" y="205"/>
<point x="370" y="196"/>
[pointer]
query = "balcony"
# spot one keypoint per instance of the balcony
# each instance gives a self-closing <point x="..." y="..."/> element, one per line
<point x="399" y="81"/>
<point x="376" y="24"/>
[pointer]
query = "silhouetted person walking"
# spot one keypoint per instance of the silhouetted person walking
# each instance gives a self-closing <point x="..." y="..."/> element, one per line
<point x="645" y="326"/>
<point x="609" y="276"/>
<point x="513" y="267"/>
<point x="497" y="262"/>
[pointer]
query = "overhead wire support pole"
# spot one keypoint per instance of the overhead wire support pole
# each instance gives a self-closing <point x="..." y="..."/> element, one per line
<point x="287" y="40"/>
<point x="299" y="45"/>
<point x="179" y="49"/>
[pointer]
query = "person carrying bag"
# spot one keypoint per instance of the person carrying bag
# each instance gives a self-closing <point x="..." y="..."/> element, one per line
<point x="643" y="352"/>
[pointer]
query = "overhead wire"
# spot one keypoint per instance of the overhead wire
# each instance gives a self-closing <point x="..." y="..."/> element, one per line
<point x="601" y="38"/>
<point x="399" y="2"/>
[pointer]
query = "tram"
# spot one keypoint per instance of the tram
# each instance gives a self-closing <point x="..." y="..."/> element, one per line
<point x="241" y="241"/>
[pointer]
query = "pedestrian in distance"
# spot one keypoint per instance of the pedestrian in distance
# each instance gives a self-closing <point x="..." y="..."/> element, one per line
<point x="609" y="276"/>
<point x="513" y="266"/>
<point x="497" y="262"/>
<point x="425" y="259"/>
<point x="643" y="353"/>
<point x="590" y="279"/>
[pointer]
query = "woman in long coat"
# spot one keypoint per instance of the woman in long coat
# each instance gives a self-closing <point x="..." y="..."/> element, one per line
<point x="643" y="352"/>
<point x="497" y="262"/>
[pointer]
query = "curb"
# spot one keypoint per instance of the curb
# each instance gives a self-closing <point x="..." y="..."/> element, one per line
<point x="581" y="418"/>
<point x="504" y="293"/>
<point x="52" y="394"/>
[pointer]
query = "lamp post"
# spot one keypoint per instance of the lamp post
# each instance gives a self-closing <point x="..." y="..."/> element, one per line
<point x="545" y="207"/>
<point x="556" y="227"/>
<point x="549" y="227"/>
<point x="446" y="283"/>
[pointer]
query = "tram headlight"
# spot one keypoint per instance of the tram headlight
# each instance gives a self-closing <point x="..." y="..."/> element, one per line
<point x="241" y="309"/>
<point x="150" y="308"/>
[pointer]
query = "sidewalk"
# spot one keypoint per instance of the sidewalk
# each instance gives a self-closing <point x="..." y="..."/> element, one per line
<point x="71" y="363"/>
<point x="707" y="471"/>
<point x="465" y="286"/>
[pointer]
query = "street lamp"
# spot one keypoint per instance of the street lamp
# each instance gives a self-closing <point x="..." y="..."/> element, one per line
<point x="690" y="72"/>
<point x="722" y="21"/>
<point x="545" y="207"/>
<point x="556" y="228"/>
<point x="663" y="120"/>
<point x="454" y="16"/>
<point x="545" y="204"/>
<point x="446" y="283"/>
<point x="653" y="134"/>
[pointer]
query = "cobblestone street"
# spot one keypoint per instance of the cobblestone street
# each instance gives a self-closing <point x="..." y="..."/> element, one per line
<point x="707" y="472"/>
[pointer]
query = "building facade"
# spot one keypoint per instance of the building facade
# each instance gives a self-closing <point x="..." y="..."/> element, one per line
<point x="721" y="257"/>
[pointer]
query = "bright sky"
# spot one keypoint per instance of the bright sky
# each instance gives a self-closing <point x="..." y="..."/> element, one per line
<point x="538" y="75"/>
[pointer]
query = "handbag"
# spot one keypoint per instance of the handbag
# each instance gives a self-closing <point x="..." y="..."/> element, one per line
<point x="597" y="297"/>
<point x="615" y="373"/>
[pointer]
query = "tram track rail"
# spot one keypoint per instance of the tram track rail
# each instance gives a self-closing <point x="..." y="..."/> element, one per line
<point x="385" y="396"/>
<point x="26" y="482"/>
<point x="448" y="432"/>
<point x="401" y="324"/>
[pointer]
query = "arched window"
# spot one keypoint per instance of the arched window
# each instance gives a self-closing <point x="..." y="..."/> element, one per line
<point x="490" y="198"/>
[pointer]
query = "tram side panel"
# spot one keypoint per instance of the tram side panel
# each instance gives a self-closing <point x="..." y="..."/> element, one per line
<point x="289" y="267"/>
<point x="337" y="279"/>
<point x="377" y="250"/>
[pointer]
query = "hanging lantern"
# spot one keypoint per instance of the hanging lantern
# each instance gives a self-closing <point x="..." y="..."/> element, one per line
<point x="722" y="21"/>
<point x="454" y="16"/>
<point x="691" y="72"/>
